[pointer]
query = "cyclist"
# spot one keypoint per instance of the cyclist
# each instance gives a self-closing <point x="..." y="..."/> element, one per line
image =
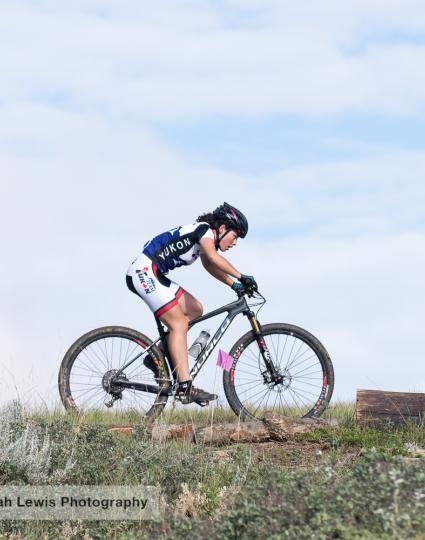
<point x="173" y="305"/>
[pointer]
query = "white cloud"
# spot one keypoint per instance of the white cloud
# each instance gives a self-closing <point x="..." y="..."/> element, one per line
<point x="85" y="182"/>
<point x="79" y="207"/>
<point x="154" y="65"/>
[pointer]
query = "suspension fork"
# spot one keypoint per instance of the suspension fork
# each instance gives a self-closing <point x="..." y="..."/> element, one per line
<point x="265" y="353"/>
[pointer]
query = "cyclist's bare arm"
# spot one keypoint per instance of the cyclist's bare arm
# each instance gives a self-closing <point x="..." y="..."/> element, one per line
<point x="215" y="264"/>
<point x="214" y="271"/>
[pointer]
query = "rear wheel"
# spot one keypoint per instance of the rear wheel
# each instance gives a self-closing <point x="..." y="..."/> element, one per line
<point x="88" y="368"/>
<point x="306" y="377"/>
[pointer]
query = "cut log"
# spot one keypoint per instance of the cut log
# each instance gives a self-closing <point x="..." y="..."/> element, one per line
<point x="273" y="428"/>
<point x="233" y="432"/>
<point x="164" y="432"/>
<point x="378" y="408"/>
<point x="281" y="428"/>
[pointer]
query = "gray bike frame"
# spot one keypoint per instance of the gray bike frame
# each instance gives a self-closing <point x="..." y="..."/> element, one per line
<point x="233" y="309"/>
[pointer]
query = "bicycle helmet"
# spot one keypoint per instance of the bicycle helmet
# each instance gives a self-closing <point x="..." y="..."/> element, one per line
<point x="232" y="217"/>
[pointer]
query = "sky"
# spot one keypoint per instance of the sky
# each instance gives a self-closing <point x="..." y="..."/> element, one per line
<point x="120" y="120"/>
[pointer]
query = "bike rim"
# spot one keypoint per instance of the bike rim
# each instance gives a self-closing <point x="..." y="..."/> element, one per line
<point x="304" y="385"/>
<point x="100" y="356"/>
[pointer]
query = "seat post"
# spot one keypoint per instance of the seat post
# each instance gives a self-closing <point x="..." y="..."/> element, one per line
<point x="160" y="327"/>
<point x="163" y="334"/>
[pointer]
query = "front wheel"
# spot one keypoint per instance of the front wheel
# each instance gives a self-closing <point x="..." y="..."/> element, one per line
<point x="305" y="381"/>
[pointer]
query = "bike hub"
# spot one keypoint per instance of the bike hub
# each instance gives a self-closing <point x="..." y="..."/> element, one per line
<point x="280" y="381"/>
<point x="286" y="379"/>
<point x="109" y="385"/>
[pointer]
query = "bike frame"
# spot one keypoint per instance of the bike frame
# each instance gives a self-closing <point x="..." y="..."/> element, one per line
<point x="233" y="310"/>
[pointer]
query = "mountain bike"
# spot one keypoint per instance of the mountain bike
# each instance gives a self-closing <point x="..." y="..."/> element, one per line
<point x="276" y="367"/>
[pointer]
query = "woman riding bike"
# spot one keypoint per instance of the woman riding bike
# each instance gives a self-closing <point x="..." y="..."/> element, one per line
<point x="170" y="303"/>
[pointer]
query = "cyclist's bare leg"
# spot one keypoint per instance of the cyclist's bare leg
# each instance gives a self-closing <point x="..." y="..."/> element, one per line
<point x="191" y="307"/>
<point x="177" y="323"/>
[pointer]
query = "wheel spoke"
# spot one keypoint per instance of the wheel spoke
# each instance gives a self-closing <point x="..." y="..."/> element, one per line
<point x="301" y="369"/>
<point x="94" y="360"/>
<point x="91" y="362"/>
<point x="248" y="372"/>
<point x="304" y="370"/>
<point x="258" y="406"/>
<point x="319" y="386"/>
<point x="292" y="366"/>
<point x="105" y="356"/>
<point x="251" y="353"/>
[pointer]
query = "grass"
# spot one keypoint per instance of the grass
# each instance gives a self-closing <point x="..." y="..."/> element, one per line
<point x="338" y="482"/>
<point x="343" y="413"/>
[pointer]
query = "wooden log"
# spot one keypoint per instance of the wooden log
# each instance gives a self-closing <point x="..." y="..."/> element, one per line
<point x="272" y="428"/>
<point x="378" y="408"/>
<point x="281" y="428"/>
<point x="233" y="432"/>
<point x="165" y="432"/>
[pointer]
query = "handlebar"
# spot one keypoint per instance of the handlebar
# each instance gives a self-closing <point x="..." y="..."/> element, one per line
<point x="249" y="291"/>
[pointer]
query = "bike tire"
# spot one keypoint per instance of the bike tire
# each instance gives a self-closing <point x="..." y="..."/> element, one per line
<point x="91" y="353"/>
<point x="236" y="388"/>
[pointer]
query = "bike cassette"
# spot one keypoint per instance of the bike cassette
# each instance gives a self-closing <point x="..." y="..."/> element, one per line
<point x="111" y="387"/>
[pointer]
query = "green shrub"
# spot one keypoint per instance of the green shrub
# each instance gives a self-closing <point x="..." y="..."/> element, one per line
<point x="25" y="450"/>
<point x="319" y="487"/>
<point x="383" y="496"/>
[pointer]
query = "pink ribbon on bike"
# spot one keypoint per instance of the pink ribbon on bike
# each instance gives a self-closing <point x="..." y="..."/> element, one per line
<point x="224" y="360"/>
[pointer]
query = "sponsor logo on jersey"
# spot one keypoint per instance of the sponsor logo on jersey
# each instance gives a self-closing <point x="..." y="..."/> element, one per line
<point x="196" y="253"/>
<point x="175" y="248"/>
<point x="146" y="282"/>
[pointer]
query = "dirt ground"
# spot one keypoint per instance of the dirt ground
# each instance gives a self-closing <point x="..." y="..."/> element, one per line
<point x="291" y="455"/>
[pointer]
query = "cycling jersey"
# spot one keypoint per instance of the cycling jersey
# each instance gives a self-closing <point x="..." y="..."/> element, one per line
<point x="169" y="250"/>
<point x="177" y="247"/>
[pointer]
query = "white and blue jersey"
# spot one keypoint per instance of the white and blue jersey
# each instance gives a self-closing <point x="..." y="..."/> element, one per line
<point x="177" y="247"/>
<point x="169" y="250"/>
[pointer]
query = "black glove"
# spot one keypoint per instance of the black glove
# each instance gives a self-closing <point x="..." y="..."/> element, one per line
<point x="238" y="288"/>
<point x="248" y="282"/>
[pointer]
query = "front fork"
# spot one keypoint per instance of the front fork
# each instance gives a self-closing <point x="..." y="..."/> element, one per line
<point x="265" y="353"/>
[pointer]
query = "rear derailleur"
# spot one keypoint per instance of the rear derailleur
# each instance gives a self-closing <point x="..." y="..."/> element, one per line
<point x="110" y="386"/>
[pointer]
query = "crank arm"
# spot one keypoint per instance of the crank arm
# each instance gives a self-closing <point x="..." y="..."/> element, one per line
<point x="142" y="387"/>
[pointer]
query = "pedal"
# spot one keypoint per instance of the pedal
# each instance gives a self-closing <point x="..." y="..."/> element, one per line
<point x="202" y="403"/>
<point x="186" y="399"/>
<point x="205" y="402"/>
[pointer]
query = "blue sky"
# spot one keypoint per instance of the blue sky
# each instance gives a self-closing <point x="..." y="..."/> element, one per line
<point x="119" y="120"/>
<point x="272" y="143"/>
